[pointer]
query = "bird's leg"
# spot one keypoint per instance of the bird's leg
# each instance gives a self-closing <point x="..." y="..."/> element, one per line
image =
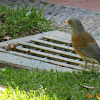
<point x="85" y="63"/>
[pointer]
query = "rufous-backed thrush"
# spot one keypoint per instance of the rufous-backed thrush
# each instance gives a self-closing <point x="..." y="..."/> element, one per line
<point x="83" y="43"/>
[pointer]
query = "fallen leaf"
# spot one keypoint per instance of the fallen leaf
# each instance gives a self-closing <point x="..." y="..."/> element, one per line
<point x="7" y="38"/>
<point x="14" y="46"/>
<point x="7" y="47"/>
<point x="88" y="87"/>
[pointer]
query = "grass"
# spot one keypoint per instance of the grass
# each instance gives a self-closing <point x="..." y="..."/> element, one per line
<point x="21" y="22"/>
<point x="61" y="85"/>
<point x="16" y="94"/>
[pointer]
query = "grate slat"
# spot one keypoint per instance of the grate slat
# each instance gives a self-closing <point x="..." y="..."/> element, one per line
<point x="50" y="55"/>
<point x="55" y="39"/>
<point x="50" y="49"/>
<point x="53" y="44"/>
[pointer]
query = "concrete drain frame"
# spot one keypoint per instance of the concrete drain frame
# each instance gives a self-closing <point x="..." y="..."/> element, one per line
<point x="48" y="50"/>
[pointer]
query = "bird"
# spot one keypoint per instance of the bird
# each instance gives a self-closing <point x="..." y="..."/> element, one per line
<point x="83" y="42"/>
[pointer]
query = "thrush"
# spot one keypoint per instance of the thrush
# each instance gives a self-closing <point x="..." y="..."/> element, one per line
<point x="83" y="43"/>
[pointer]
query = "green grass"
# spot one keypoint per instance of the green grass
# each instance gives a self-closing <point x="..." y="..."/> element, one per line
<point x="16" y="94"/>
<point x="60" y="85"/>
<point x="22" y="21"/>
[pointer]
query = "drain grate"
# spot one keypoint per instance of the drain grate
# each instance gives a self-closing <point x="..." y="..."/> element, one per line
<point x="49" y="49"/>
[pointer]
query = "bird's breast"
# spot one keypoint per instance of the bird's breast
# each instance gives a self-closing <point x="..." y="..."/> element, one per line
<point x="82" y="40"/>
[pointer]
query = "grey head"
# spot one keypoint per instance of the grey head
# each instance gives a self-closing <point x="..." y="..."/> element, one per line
<point x="76" y="25"/>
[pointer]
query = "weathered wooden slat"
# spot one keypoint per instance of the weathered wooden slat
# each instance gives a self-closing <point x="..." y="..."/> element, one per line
<point x="53" y="44"/>
<point x="50" y="55"/>
<point x="51" y="50"/>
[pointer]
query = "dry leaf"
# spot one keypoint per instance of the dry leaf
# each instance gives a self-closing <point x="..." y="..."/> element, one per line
<point x="14" y="46"/>
<point x="7" y="46"/>
<point x="88" y="87"/>
<point x="7" y="38"/>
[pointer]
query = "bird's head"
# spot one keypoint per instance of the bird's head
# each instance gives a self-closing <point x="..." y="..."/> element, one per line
<point x="76" y="25"/>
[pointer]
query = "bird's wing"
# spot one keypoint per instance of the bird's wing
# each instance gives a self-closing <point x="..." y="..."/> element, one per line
<point x="92" y="51"/>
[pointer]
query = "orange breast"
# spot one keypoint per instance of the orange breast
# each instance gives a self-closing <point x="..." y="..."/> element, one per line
<point x="82" y="40"/>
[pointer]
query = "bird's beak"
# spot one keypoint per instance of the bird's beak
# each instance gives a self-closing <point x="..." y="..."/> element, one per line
<point x="66" y="22"/>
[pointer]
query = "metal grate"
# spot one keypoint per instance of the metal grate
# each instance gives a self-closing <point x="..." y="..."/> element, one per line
<point x="48" y="49"/>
